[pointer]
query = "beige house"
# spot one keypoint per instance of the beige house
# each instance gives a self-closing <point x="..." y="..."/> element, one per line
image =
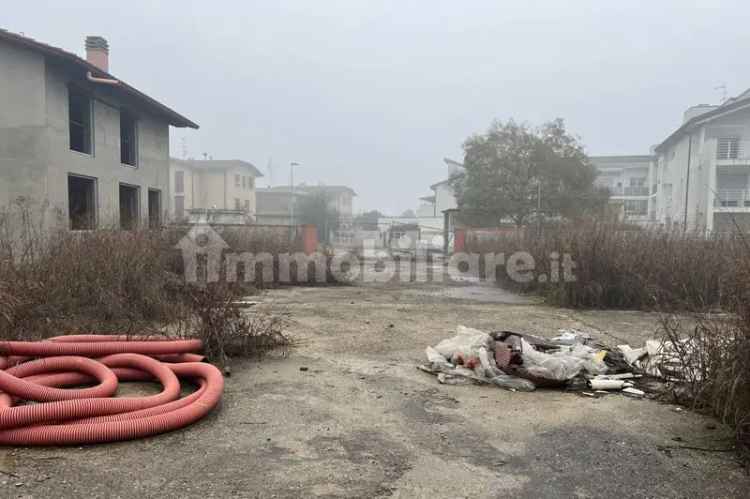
<point x="224" y="187"/>
<point x="80" y="140"/>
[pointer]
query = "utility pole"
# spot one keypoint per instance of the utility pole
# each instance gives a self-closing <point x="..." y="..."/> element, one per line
<point x="293" y="200"/>
<point x="539" y="205"/>
<point x="687" y="181"/>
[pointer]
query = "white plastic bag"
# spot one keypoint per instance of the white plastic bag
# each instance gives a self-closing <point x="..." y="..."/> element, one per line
<point x="466" y="344"/>
<point x="556" y="367"/>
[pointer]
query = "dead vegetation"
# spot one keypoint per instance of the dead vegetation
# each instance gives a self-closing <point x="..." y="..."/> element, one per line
<point x="622" y="267"/>
<point x="714" y="354"/>
<point x="109" y="281"/>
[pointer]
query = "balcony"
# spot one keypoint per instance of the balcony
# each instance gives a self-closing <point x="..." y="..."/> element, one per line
<point x="629" y="191"/>
<point x="732" y="198"/>
<point x="732" y="152"/>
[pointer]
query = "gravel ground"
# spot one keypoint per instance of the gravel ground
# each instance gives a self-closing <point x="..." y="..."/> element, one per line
<point x="346" y="414"/>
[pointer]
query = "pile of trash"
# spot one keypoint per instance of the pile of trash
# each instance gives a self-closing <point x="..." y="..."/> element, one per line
<point x="523" y="362"/>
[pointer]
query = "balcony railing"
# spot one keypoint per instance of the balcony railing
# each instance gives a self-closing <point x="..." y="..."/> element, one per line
<point x="629" y="191"/>
<point x="732" y="198"/>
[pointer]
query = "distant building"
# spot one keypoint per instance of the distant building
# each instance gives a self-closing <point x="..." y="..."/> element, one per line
<point x="217" y="191"/>
<point x="442" y="197"/>
<point x="631" y="183"/>
<point x="78" y="138"/>
<point x="274" y="203"/>
<point x="703" y="168"/>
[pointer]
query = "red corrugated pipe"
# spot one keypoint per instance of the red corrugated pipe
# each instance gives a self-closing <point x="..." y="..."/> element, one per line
<point x="45" y="371"/>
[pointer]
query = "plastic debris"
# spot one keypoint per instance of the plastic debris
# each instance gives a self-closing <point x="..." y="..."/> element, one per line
<point x="523" y="362"/>
<point x="606" y="384"/>
<point x="571" y="337"/>
<point x="633" y="392"/>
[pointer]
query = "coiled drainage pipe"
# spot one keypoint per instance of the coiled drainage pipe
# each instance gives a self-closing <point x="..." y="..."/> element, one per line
<point x="48" y="372"/>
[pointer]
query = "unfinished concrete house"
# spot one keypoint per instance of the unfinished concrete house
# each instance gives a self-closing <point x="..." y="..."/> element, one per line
<point x="78" y="139"/>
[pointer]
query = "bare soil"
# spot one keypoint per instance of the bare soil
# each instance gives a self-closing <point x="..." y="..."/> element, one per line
<point x="345" y="413"/>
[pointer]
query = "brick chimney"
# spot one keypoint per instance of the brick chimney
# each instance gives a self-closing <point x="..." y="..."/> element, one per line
<point x="97" y="52"/>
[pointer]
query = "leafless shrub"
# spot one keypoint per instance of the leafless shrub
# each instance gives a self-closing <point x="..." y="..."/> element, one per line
<point x="714" y="353"/>
<point x="622" y="267"/>
<point x="227" y="328"/>
<point x="57" y="282"/>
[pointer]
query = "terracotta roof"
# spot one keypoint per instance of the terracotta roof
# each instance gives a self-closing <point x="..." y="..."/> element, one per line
<point x="315" y="188"/>
<point x="60" y="55"/>
<point x="218" y="164"/>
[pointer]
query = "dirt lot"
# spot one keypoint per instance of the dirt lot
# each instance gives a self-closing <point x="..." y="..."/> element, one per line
<point x="346" y="414"/>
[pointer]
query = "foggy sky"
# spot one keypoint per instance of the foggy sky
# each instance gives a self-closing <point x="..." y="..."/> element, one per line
<point x="373" y="94"/>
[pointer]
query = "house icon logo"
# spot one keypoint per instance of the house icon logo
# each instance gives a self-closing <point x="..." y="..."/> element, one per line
<point x="202" y="240"/>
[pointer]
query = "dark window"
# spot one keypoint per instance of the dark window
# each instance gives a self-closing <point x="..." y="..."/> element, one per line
<point x="247" y="205"/>
<point x="154" y="208"/>
<point x="244" y="182"/>
<point x="128" y="146"/>
<point x="81" y="202"/>
<point x="236" y="180"/>
<point x="179" y="207"/>
<point x="237" y="204"/>
<point x="79" y="115"/>
<point x="179" y="181"/>
<point x="128" y="207"/>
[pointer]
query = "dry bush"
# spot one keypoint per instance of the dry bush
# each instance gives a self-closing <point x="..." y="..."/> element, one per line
<point x="622" y="267"/>
<point x="59" y="282"/>
<point x="226" y="327"/>
<point x="714" y="354"/>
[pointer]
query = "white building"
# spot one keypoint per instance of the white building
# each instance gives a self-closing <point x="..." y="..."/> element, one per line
<point x="703" y="168"/>
<point x="698" y="177"/>
<point x="442" y="197"/>
<point x="631" y="183"/>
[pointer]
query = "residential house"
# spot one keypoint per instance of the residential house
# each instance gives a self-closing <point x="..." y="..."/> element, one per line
<point x="431" y="218"/>
<point x="217" y="191"/>
<point x="703" y="168"/>
<point x="275" y="203"/>
<point x="80" y="139"/>
<point x="442" y="197"/>
<point x="340" y="198"/>
<point x="631" y="183"/>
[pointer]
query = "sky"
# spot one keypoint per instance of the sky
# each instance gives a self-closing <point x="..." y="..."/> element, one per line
<point x="374" y="94"/>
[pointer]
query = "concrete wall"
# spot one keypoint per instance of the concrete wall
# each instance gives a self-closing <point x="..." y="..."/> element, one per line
<point x="445" y="199"/>
<point x="24" y="148"/>
<point x="35" y="157"/>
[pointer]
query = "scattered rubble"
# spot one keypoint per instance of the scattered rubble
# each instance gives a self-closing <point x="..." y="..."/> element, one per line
<point x="570" y="360"/>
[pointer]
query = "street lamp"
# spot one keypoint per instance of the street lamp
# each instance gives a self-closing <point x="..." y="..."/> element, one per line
<point x="293" y="200"/>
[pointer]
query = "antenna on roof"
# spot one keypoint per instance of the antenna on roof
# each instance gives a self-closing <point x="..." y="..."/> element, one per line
<point x="723" y="88"/>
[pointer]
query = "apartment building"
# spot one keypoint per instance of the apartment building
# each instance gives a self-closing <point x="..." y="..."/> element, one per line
<point x="631" y="183"/>
<point x="703" y="168"/>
